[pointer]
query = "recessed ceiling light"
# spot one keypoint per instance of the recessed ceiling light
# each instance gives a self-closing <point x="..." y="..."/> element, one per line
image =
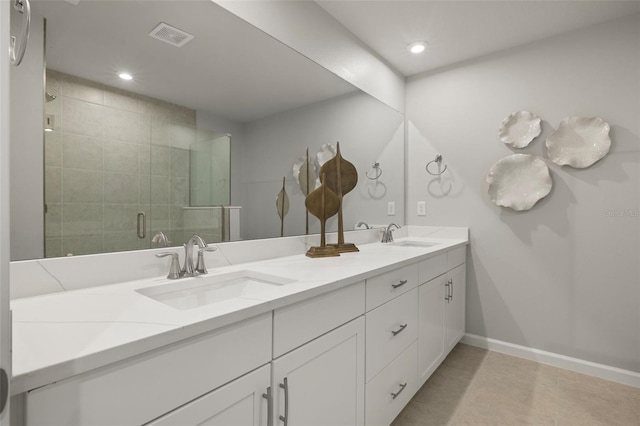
<point x="417" y="47"/>
<point x="125" y="76"/>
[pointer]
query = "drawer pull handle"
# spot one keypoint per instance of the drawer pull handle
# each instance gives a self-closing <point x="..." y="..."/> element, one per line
<point x="268" y="397"/>
<point x="400" y="284"/>
<point x="402" y="386"/>
<point x="285" y="419"/>
<point x="396" y="332"/>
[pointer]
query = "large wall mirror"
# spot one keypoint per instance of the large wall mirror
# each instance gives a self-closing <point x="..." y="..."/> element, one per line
<point x="200" y="138"/>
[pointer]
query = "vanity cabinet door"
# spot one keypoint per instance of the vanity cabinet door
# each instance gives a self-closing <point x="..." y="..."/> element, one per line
<point x="431" y="302"/>
<point x="455" y="306"/>
<point x="322" y="382"/>
<point x="239" y="403"/>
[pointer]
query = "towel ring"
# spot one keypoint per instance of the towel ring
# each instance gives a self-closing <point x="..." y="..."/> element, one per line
<point x="438" y="161"/>
<point x="376" y="167"/>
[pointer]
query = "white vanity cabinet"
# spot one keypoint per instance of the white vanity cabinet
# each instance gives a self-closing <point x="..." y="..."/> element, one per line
<point x="141" y="389"/>
<point x="455" y="306"/>
<point x="242" y="402"/>
<point x="441" y="311"/>
<point x="352" y="356"/>
<point x="322" y="382"/>
<point x="431" y="326"/>
<point x="392" y="330"/>
<point x="319" y="355"/>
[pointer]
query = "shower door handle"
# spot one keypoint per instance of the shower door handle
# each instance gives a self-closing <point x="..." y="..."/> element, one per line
<point x="142" y="225"/>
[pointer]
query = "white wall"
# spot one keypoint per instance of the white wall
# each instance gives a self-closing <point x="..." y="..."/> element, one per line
<point x="562" y="277"/>
<point x="307" y="28"/>
<point x="27" y="154"/>
<point x="367" y="130"/>
<point x="5" y="313"/>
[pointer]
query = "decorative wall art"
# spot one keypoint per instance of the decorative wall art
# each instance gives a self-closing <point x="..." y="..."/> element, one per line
<point x="304" y="171"/>
<point x="282" y="206"/>
<point x="322" y="203"/>
<point x="341" y="177"/>
<point x="519" y="129"/>
<point x="519" y="181"/>
<point x="579" y="142"/>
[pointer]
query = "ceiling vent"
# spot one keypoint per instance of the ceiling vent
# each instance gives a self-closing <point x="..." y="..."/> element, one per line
<point x="171" y="35"/>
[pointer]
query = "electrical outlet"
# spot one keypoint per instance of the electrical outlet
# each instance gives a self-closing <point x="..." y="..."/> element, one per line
<point x="422" y="208"/>
<point x="391" y="208"/>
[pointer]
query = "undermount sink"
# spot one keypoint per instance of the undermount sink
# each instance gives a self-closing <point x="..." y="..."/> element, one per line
<point x="415" y="243"/>
<point x="207" y="289"/>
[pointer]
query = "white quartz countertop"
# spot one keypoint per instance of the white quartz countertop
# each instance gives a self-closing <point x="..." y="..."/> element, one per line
<point x="56" y="336"/>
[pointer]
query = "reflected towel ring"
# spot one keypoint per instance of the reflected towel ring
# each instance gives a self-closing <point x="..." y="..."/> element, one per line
<point x="438" y="161"/>
<point x="16" y="52"/>
<point x="378" y="171"/>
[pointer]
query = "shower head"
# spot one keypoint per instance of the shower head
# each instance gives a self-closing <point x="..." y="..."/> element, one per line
<point x="49" y="97"/>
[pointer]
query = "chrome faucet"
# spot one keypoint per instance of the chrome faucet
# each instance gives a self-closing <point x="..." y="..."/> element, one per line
<point x="188" y="270"/>
<point x="161" y="239"/>
<point x="363" y="223"/>
<point x="387" y="234"/>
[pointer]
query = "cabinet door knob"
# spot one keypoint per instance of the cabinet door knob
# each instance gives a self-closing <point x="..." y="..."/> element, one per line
<point x="400" y="330"/>
<point x="400" y="284"/>
<point x="402" y="386"/>
<point x="446" y="296"/>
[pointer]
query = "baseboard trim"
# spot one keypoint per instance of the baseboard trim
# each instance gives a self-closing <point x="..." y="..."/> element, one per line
<point x="614" y="374"/>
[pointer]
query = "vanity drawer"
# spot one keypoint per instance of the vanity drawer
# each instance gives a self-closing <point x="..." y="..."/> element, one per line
<point x="391" y="284"/>
<point x="140" y="389"/>
<point x="302" y="322"/>
<point x="456" y="257"/>
<point x="432" y="267"/>
<point x="399" y="316"/>
<point x="400" y="376"/>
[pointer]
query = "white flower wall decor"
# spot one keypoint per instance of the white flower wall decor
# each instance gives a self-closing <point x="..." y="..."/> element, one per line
<point x="519" y="181"/>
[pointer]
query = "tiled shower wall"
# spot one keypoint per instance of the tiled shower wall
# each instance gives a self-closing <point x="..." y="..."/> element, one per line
<point x="111" y="155"/>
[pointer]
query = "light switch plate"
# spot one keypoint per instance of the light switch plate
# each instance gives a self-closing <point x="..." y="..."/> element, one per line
<point x="422" y="208"/>
<point x="391" y="208"/>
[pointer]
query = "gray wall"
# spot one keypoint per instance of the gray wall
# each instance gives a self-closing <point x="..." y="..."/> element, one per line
<point x="27" y="93"/>
<point x="564" y="276"/>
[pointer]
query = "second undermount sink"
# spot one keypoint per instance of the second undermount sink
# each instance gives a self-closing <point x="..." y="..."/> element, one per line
<point x="208" y="289"/>
<point x="415" y="243"/>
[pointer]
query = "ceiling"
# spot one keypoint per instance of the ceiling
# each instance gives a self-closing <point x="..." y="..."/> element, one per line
<point x="230" y="69"/>
<point x="234" y="70"/>
<point x="461" y="30"/>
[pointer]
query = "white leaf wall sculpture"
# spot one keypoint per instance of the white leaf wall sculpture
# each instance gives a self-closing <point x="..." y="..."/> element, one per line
<point x="519" y="129"/>
<point x="579" y="142"/>
<point x="519" y="181"/>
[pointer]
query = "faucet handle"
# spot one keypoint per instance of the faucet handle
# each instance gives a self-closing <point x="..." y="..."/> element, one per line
<point x="174" y="269"/>
<point x="200" y="268"/>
